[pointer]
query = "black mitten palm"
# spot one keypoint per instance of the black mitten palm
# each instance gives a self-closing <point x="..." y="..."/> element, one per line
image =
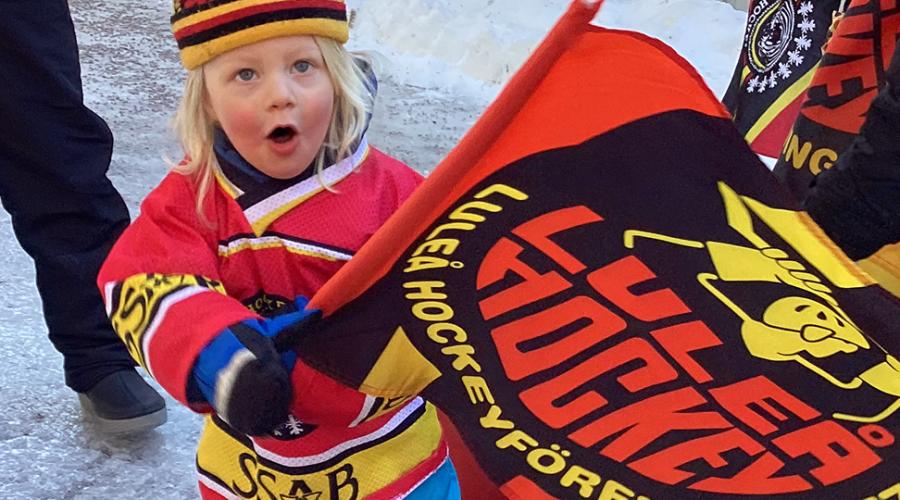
<point x="244" y="378"/>
<point x="253" y="391"/>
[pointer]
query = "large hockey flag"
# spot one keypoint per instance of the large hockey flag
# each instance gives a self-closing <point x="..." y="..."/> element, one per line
<point x="611" y="297"/>
<point x="782" y="44"/>
<point x="848" y="78"/>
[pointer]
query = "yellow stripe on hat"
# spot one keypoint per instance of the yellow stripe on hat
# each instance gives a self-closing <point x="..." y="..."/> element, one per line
<point x="207" y="14"/>
<point x="199" y="54"/>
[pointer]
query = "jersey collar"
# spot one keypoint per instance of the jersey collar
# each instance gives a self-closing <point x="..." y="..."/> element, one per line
<point x="264" y="199"/>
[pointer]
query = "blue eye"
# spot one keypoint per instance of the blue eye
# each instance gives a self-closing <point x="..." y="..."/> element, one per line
<point x="245" y="75"/>
<point x="302" y="66"/>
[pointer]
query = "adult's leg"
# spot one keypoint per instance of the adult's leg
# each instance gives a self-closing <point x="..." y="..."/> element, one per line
<point x="54" y="155"/>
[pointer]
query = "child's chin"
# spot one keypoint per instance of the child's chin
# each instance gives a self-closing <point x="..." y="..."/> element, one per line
<point x="284" y="168"/>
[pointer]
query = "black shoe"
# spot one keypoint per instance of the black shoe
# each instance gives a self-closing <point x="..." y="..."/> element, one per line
<point x="122" y="402"/>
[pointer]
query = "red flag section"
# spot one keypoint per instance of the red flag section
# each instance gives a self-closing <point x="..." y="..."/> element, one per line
<point x="609" y="296"/>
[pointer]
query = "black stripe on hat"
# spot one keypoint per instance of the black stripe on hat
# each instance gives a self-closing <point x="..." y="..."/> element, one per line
<point x="258" y="20"/>
<point x="181" y="14"/>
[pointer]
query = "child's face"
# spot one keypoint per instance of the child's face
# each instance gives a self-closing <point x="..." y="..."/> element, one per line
<point x="274" y="101"/>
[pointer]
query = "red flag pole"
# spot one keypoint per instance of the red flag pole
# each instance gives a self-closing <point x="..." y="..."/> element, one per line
<point x="367" y="266"/>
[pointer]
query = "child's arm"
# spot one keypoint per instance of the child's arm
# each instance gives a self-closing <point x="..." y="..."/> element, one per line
<point x="164" y="298"/>
<point x="162" y="291"/>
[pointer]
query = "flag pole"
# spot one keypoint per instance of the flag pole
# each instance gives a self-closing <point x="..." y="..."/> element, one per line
<point x="350" y="281"/>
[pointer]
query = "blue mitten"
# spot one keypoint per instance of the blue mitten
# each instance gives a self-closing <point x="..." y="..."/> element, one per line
<point x="242" y="375"/>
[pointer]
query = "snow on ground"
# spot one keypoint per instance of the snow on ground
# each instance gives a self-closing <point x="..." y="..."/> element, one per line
<point x="452" y="60"/>
<point x="442" y="62"/>
<point x="450" y="44"/>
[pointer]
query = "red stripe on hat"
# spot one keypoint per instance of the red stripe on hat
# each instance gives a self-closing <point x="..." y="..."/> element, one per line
<point x="257" y="9"/>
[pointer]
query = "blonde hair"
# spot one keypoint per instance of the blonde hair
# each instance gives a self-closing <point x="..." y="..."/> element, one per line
<point x="195" y="127"/>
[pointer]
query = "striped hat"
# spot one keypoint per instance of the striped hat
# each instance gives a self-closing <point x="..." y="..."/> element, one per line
<point x="206" y="28"/>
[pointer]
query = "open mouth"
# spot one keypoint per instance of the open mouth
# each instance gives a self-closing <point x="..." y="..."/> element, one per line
<point x="281" y="135"/>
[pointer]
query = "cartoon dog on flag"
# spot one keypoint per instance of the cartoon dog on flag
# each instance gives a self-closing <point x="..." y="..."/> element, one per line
<point x="810" y="323"/>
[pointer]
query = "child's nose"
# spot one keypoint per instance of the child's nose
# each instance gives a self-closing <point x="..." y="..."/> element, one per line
<point x="280" y="94"/>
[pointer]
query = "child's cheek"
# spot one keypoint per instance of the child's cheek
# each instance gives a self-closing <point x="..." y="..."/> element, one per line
<point x="242" y="122"/>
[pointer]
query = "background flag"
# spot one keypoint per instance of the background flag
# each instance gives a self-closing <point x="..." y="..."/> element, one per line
<point x="782" y="44"/>
<point x="609" y="295"/>
<point x="848" y="78"/>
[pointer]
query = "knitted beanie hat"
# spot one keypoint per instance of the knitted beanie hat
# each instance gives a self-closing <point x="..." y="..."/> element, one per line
<point x="206" y="28"/>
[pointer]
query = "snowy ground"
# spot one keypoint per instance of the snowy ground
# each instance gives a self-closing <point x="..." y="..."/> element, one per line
<point x="442" y="62"/>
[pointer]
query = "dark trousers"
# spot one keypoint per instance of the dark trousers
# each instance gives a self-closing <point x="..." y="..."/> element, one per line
<point x="54" y="154"/>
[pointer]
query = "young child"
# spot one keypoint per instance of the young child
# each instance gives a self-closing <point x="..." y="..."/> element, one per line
<point x="278" y="189"/>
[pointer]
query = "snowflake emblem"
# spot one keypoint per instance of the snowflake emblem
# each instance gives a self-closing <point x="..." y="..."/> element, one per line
<point x="795" y="58"/>
<point x="784" y="71"/>
<point x="806" y="8"/>
<point x="292" y="428"/>
<point x="807" y="25"/>
<point x="752" y="84"/>
<point x="803" y="42"/>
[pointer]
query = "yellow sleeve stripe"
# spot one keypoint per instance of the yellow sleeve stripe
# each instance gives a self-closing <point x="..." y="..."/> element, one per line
<point x="137" y="306"/>
<point x="295" y="247"/>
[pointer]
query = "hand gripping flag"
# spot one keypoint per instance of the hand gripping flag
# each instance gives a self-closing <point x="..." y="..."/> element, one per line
<point x="848" y="78"/>
<point x="611" y="297"/>
<point x="782" y="45"/>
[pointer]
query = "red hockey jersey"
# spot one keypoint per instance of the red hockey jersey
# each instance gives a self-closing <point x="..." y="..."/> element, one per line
<point x="175" y="279"/>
